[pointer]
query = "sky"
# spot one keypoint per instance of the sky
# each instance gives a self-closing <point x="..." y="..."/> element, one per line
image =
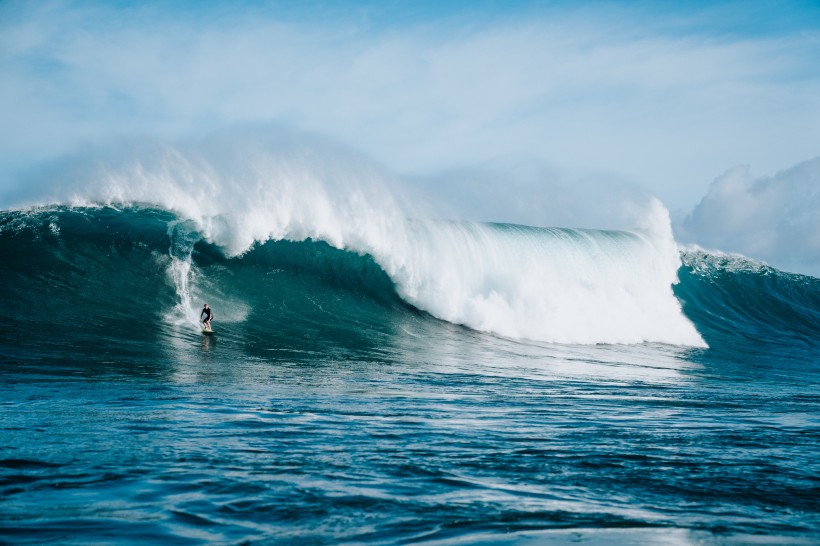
<point x="668" y="97"/>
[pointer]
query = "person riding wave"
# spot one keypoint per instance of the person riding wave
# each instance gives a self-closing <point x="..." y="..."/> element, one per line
<point x="208" y="314"/>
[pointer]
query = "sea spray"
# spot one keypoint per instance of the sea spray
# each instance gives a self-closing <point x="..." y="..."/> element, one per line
<point x="556" y="285"/>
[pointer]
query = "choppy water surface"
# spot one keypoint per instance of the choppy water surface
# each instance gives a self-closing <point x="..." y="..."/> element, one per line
<point x="482" y="446"/>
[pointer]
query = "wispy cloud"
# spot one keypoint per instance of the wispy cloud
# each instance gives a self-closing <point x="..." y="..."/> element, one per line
<point x="604" y="89"/>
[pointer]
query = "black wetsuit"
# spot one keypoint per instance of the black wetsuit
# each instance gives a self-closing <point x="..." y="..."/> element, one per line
<point x="207" y="313"/>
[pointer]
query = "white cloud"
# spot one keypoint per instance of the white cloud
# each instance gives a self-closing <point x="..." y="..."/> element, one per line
<point x="776" y="219"/>
<point x="588" y="91"/>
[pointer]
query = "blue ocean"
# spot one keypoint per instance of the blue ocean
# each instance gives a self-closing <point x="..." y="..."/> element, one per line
<point x="379" y="376"/>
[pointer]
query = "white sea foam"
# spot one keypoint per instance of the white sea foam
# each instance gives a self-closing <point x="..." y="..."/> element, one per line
<point x="557" y="285"/>
<point x="571" y="286"/>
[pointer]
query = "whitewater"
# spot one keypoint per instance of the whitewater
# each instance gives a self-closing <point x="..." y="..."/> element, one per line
<point x="382" y="372"/>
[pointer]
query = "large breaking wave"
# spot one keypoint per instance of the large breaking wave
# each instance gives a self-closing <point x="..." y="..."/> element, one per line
<point x="557" y="285"/>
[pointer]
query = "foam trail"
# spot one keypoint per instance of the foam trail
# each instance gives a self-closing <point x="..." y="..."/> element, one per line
<point x="557" y="285"/>
<point x="183" y="236"/>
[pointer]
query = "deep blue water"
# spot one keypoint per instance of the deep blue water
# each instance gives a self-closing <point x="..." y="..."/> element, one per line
<point x="328" y="410"/>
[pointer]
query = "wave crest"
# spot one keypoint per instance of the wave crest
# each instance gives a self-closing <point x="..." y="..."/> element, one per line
<point x="556" y="285"/>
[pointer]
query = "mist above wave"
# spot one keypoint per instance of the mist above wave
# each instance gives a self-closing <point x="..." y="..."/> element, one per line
<point x="238" y="188"/>
<point x="775" y="218"/>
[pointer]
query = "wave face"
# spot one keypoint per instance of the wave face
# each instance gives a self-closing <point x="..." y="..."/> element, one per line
<point x="743" y="306"/>
<point x="94" y="267"/>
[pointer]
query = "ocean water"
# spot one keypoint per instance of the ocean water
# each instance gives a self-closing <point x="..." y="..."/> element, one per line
<point x="377" y="378"/>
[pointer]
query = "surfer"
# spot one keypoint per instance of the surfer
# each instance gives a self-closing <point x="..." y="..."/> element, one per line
<point x="206" y="312"/>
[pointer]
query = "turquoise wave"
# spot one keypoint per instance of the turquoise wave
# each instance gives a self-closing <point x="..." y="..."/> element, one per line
<point x="103" y="277"/>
